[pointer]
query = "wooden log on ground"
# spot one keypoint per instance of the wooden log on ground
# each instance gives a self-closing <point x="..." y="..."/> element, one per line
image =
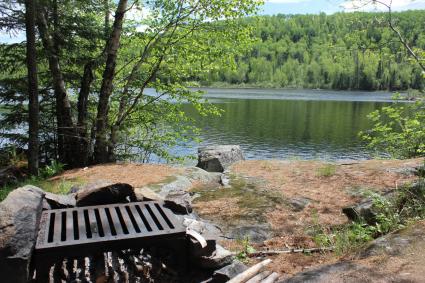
<point x="259" y="277"/>
<point x="289" y="251"/>
<point x="271" y="278"/>
<point x="250" y="272"/>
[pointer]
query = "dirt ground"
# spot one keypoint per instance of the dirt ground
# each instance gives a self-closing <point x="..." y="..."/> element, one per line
<point x="137" y="175"/>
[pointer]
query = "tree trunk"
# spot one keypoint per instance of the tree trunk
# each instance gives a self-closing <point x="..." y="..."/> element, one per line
<point x="101" y="151"/>
<point x="33" y="107"/>
<point x="67" y="134"/>
<point x="83" y="98"/>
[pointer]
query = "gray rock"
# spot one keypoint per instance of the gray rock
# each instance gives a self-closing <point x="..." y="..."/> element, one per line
<point x="395" y="244"/>
<point x="228" y="272"/>
<point x="179" y="202"/>
<point x="20" y="215"/>
<point x="340" y="272"/>
<point x="181" y="183"/>
<point x="146" y="194"/>
<point x="405" y="245"/>
<point x="206" y="229"/>
<point x="299" y="203"/>
<point x="196" y="174"/>
<point x="219" y="258"/>
<point x="60" y="201"/>
<point x="255" y="233"/>
<point x="218" y="158"/>
<point x="103" y="192"/>
<point x="365" y="210"/>
<point x="176" y="195"/>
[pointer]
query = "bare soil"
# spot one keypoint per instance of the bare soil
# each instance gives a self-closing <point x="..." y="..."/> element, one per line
<point x="137" y="175"/>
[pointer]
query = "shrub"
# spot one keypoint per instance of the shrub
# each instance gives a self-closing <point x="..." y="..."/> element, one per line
<point x="398" y="130"/>
<point x="393" y="213"/>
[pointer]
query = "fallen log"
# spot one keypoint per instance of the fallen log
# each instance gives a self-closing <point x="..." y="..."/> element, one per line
<point x="259" y="277"/>
<point x="250" y="272"/>
<point x="271" y="278"/>
<point x="289" y="251"/>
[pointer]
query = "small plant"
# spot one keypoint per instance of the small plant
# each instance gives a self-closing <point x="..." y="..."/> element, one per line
<point x="391" y="213"/>
<point x="53" y="169"/>
<point x="247" y="248"/>
<point x="326" y="171"/>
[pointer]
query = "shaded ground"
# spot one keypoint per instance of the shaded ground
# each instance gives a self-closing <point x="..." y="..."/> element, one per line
<point x="269" y="192"/>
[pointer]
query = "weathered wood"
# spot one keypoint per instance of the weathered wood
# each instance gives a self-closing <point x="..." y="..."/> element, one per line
<point x="250" y="272"/>
<point x="271" y="278"/>
<point x="289" y="251"/>
<point x="257" y="278"/>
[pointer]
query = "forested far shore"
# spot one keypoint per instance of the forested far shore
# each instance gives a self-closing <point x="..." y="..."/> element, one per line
<point x="341" y="51"/>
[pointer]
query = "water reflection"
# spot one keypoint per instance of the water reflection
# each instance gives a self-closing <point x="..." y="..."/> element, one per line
<point x="306" y="129"/>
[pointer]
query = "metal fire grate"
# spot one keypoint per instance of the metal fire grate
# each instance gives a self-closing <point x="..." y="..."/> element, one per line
<point x="105" y="225"/>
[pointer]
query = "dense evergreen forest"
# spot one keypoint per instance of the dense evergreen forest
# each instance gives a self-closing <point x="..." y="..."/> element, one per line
<point x="339" y="51"/>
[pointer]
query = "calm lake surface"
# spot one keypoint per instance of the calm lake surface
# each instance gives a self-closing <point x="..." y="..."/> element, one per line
<point x="289" y="124"/>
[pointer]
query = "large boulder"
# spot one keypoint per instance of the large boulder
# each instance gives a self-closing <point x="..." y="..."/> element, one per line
<point x="104" y="192"/>
<point x="55" y="201"/>
<point x="20" y="215"/>
<point x="218" y="158"/>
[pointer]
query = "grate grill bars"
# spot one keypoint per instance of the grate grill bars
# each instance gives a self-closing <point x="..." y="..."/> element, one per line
<point x="73" y="226"/>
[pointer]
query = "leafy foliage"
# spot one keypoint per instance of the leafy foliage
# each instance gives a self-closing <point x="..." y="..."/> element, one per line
<point x="398" y="130"/>
<point x="163" y="46"/>
<point x="246" y="249"/>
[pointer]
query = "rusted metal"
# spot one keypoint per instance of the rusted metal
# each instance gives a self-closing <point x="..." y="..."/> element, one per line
<point x="85" y="230"/>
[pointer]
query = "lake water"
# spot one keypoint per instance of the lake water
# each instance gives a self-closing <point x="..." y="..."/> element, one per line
<point x="289" y="124"/>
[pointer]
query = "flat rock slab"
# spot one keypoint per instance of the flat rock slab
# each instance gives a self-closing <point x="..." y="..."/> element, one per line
<point x="228" y="272"/>
<point x="396" y="257"/>
<point x="346" y="272"/>
<point x="20" y="214"/>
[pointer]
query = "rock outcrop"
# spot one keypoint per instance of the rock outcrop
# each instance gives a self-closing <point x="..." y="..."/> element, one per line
<point x="218" y="158"/>
<point x="20" y="214"/>
<point x="396" y="257"/>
